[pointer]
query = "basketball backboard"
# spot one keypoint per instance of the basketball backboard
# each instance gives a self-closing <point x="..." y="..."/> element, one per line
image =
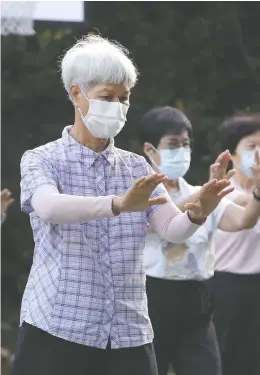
<point x="18" y="17"/>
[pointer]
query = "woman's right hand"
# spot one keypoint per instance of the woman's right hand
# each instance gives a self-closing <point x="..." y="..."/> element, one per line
<point x="218" y="170"/>
<point x="138" y="197"/>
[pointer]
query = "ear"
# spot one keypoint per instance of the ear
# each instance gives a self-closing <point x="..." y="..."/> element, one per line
<point x="75" y="94"/>
<point x="234" y="158"/>
<point x="148" y="149"/>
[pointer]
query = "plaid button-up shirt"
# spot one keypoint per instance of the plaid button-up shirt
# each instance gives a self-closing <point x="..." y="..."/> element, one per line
<point x="87" y="281"/>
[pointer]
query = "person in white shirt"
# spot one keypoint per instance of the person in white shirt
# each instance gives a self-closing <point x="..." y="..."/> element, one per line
<point x="236" y="284"/>
<point x="179" y="302"/>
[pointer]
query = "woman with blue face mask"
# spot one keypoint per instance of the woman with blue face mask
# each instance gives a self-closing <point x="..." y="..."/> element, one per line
<point x="179" y="302"/>
<point x="236" y="284"/>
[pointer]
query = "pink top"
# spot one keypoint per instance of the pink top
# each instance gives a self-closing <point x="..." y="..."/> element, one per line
<point x="238" y="252"/>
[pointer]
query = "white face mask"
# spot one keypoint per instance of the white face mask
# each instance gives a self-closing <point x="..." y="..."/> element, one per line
<point x="104" y="119"/>
<point x="247" y="160"/>
<point x="175" y="163"/>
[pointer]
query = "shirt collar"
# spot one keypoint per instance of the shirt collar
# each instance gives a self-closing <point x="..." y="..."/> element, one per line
<point x="183" y="184"/>
<point x="77" y="152"/>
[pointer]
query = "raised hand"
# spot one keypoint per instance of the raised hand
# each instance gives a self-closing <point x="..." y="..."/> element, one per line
<point x="218" y="170"/>
<point x="209" y="197"/>
<point x="138" y="197"/>
<point x="6" y="200"/>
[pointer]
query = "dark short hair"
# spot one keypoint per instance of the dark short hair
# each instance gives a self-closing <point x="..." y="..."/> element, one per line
<point x="161" y="121"/>
<point x="234" y="129"/>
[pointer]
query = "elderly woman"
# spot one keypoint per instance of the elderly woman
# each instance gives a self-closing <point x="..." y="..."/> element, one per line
<point x="84" y="309"/>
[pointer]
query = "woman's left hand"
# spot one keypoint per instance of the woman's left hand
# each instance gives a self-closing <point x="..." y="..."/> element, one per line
<point x="208" y="199"/>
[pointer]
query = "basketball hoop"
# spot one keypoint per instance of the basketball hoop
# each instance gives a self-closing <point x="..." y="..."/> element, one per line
<point x="17" y="17"/>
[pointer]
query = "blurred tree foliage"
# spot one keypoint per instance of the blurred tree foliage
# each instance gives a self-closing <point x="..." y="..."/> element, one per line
<point x="203" y="57"/>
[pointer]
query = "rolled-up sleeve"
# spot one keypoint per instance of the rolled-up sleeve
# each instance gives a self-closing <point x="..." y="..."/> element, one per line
<point x="35" y="171"/>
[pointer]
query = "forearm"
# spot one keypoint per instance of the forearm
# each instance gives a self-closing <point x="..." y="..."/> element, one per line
<point x="236" y="218"/>
<point x="251" y="213"/>
<point x="171" y="224"/>
<point x="56" y="208"/>
<point x="242" y="199"/>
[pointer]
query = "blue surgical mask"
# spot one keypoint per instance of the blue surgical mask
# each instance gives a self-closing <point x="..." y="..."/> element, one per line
<point x="175" y="163"/>
<point x="247" y="160"/>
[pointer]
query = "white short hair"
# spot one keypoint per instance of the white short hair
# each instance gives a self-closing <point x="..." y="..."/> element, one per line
<point x="94" y="60"/>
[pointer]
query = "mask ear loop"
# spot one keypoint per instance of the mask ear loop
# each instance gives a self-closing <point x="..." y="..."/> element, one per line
<point x="76" y="104"/>
<point x="151" y="159"/>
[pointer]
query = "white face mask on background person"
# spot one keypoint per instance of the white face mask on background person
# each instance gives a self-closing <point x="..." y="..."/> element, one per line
<point x="175" y="163"/>
<point x="104" y="119"/>
<point x="247" y="160"/>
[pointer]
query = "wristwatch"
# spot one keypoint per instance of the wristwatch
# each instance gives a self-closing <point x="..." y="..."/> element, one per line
<point x="257" y="198"/>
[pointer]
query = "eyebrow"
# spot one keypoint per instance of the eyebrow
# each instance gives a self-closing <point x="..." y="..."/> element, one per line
<point x="177" y="140"/>
<point x="110" y="91"/>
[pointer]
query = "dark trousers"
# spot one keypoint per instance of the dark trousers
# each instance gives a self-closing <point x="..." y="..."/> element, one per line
<point x="181" y="315"/>
<point x="237" y="321"/>
<point x="39" y="353"/>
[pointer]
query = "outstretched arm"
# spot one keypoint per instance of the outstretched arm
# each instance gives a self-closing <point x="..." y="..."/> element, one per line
<point x="246" y="214"/>
<point x="236" y="218"/>
<point x="174" y="226"/>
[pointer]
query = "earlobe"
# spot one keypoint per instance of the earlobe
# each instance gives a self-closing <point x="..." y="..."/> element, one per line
<point x="75" y="94"/>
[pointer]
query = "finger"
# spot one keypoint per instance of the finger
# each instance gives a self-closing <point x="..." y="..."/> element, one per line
<point x="225" y="192"/>
<point x="220" y="157"/>
<point x="5" y="193"/>
<point x="9" y="202"/>
<point x="257" y="157"/>
<point x="156" y="201"/>
<point x="223" y="157"/>
<point x="230" y="174"/>
<point x="137" y="182"/>
<point x="214" y="167"/>
<point x="155" y="177"/>
<point x="151" y="183"/>
<point x="224" y="162"/>
<point x="222" y="184"/>
<point x="191" y="206"/>
<point x="209" y="184"/>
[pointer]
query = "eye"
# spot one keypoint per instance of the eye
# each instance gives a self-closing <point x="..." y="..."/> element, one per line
<point x="251" y="146"/>
<point x="107" y="98"/>
<point x="173" y="145"/>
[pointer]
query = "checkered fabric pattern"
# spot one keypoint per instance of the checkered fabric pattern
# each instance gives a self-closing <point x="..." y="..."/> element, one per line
<point x="87" y="281"/>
